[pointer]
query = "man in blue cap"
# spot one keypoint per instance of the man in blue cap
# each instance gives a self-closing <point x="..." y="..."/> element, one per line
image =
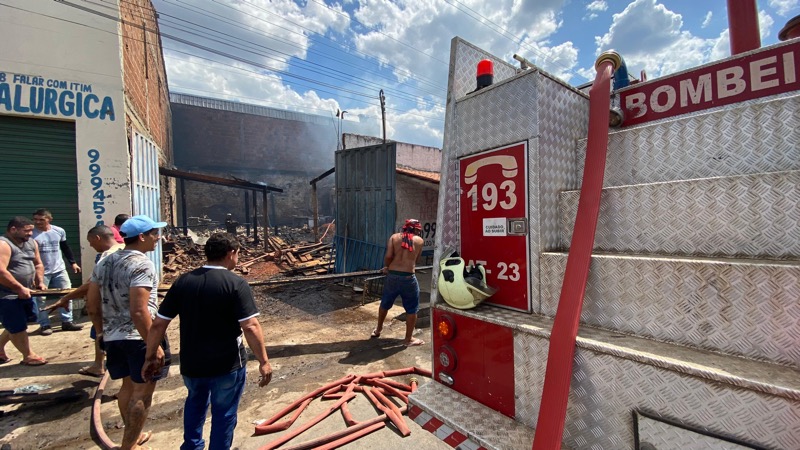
<point x="122" y="303"/>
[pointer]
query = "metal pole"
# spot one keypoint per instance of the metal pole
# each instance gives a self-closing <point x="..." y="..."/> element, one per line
<point x="247" y="211"/>
<point x="255" y="219"/>
<point x="341" y="129"/>
<point x="183" y="208"/>
<point x="383" y="114"/>
<point x="743" y="26"/>
<point x="316" y="210"/>
<point x="266" y="218"/>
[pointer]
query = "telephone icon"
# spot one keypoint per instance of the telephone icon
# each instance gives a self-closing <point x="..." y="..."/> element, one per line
<point x="507" y="162"/>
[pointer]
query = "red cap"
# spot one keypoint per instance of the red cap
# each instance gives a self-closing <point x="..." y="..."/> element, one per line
<point x="485" y="67"/>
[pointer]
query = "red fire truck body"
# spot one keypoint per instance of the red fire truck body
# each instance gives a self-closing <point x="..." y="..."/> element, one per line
<point x="690" y="327"/>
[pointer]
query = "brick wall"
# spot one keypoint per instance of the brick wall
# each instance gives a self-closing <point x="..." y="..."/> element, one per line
<point x="144" y="77"/>
<point x="216" y="140"/>
<point x="286" y="154"/>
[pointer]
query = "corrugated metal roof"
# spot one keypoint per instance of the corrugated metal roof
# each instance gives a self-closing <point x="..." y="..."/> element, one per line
<point x="226" y="105"/>
<point x="424" y="175"/>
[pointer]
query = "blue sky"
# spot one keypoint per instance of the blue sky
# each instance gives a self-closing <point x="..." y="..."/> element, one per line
<point x="320" y="56"/>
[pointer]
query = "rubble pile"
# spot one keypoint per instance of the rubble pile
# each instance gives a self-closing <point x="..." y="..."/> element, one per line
<point x="290" y="252"/>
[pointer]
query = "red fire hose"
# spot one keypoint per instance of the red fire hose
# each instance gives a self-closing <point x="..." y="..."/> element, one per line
<point x="342" y="391"/>
<point x="553" y="409"/>
<point x="96" y="424"/>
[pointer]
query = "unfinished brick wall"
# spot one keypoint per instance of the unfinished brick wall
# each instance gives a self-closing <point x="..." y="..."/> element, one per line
<point x="286" y="154"/>
<point x="217" y="142"/>
<point x="144" y="78"/>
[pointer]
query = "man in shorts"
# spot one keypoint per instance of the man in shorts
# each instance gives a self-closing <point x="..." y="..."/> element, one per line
<point x="402" y="252"/>
<point x="122" y="302"/>
<point x="21" y="269"/>
<point x="101" y="239"/>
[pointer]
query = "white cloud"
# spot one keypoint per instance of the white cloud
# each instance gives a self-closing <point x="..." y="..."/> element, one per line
<point x="416" y="35"/>
<point x="411" y="36"/>
<point x="783" y="7"/>
<point x="707" y="20"/>
<point x="597" y="5"/>
<point x="765" y="22"/>
<point x="651" y="37"/>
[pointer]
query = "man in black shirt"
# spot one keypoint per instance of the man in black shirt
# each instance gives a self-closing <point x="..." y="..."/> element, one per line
<point x="216" y="308"/>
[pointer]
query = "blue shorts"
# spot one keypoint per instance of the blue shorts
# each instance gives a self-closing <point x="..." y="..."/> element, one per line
<point x="126" y="358"/>
<point x="13" y="315"/>
<point x="406" y="287"/>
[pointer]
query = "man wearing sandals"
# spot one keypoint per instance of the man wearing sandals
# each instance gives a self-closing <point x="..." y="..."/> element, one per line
<point x="402" y="252"/>
<point x="122" y="303"/>
<point x="21" y="269"/>
<point x="217" y="310"/>
<point x="101" y="239"/>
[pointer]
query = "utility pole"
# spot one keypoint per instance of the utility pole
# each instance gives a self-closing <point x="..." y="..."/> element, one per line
<point x="339" y="134"/>
<point x="342" y="129"/>
<point x="383" y="114"/>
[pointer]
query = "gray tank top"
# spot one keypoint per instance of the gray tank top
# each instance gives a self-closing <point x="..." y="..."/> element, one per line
<point x="20" y="265"/>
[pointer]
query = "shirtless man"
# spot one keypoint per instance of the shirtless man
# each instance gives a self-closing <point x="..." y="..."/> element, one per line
<point x="402" y="252"/>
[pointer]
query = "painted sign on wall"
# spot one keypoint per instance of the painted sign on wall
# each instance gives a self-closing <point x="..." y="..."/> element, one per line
<point x="30" y="94"/>
<point x="754" y="75"/>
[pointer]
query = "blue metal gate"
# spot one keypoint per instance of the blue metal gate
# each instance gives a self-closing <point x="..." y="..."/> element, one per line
<point x="365" y="206"/>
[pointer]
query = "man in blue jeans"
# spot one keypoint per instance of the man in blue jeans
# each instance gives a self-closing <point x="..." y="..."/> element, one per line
<point x="402" y="252"/>
<point x="216" y="309"/>
<point x="54" y="249"/>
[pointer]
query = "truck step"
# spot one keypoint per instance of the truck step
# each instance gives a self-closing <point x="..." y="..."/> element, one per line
<point x="729" y="141"/>
<point x="753" y="216"/>
<point x="740" y="307"/>
<point x="483" y="427"/>
<point x="618" y="377"/>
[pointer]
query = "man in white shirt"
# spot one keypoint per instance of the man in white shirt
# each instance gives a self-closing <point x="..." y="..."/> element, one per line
<point x="53" y="249"/>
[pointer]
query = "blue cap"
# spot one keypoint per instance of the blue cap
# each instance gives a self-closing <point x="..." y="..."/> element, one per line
<point x="137" y="225"/>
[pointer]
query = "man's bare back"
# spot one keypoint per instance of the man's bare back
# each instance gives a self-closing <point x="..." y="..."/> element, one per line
<point x="403" y="260"/>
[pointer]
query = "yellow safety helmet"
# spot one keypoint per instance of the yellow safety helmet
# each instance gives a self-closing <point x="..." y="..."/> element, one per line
<point x="462" y="288"/>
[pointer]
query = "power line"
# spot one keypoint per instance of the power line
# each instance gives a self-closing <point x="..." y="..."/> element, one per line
<point x="200" y="57"/>
<point x="214" y="51"/>
<point x="372" y="85"/>
<point x="381" y="32"/>
<point x="365" y="83"/>
<point x="348" y="50"/>
<point x="240" y="69"/>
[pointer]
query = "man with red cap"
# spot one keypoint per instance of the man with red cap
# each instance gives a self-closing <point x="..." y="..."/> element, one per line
<point x="402" y="252"/>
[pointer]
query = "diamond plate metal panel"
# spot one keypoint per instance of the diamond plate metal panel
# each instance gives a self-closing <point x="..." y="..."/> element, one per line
<point x="755" y="216"/>
<point x="529" y="106"/>
<point x="605" y="388"/>
<point x="563" y="121"/>
<point x="498" y="115"/>
<point x="729" y="141"/>
<point x="663" y="436"/>
<point x="472" y="419"/>
<point x="615" y="373"/>
<point x="741" y="308"/>
<point x="463" y="66"/>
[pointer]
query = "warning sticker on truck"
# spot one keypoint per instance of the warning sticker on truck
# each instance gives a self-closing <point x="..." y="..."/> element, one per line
<point x="494" y="227"/>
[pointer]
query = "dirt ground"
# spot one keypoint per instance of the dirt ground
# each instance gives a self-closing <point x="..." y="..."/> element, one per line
<point x="316" y="332"/>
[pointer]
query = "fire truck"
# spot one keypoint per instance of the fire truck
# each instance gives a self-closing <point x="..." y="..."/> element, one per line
<point x="647" y="275"/>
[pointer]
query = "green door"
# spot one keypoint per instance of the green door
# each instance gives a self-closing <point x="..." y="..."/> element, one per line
<point x="38" y="169"/>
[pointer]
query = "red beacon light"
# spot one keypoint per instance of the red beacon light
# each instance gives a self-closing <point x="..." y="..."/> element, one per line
<point x="485" y="74"/>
